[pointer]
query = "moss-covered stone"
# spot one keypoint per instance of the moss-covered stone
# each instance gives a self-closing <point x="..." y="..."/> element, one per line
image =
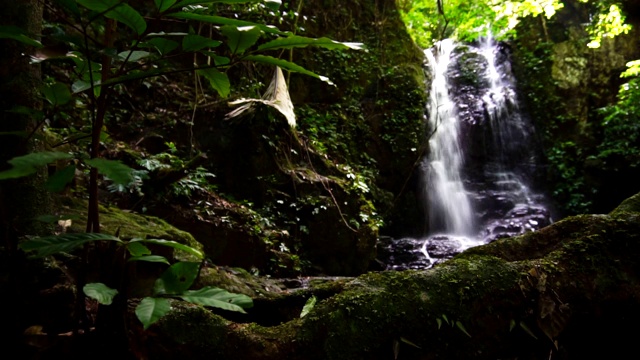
<point x="126" y="224"/>
<point x="567" y="290"/>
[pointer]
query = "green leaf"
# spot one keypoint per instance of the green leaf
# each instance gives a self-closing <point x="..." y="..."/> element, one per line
<point x="308" y="306"/>
<point x="49" y="245"/>
<point x="163" y="5"/>
<point x="219" y="298"/>
<point x="218" y="80"/>
<point x="512" y="324"/>
<point x="57" y="94"/>
<point x="461" y="327"/>
<point x="286" y="65"/>
<point x="164" y="46"/>
<point x="176" y="245"/>
<point x="527" y="330"/>
<point x="177" y="279"/>
<point x="295" y="41"/>
<point x="241" y="38"/>
<point x="219" y="20"/>
<point x="117" y="10"/>
<point x="30" y="163"/>
<point x="151" y="309"/>
<point x="133" y="55"/>
<point x="118" y="172"/>
<point x="16" y="33"/>
<point x="201" y="2"/>
<point x="193" y="42"/>
<point x="137" y="249"/>
<point x="59" y="180"/>
<point x="273" y="4"/>
<point x="439" y="321"/>
<point x="70" y="6"/>
<point x="100" y="292"/>
<point x="151" y="258"/>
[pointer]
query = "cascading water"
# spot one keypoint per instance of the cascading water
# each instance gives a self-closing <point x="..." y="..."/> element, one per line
<point x="476" y="176"/>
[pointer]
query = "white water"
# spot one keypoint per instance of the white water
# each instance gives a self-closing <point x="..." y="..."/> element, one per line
<point x="448" y="205"/>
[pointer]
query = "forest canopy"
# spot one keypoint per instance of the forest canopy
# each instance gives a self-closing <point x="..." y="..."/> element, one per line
<point x="432" y="20"/>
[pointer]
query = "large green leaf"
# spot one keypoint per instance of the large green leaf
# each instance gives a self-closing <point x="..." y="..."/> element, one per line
<point x="220" y="20"/>
<point x="240" y="38"/>
<point x="218" y="80"/>
<point x="57" y="94"/>
<point x="137" y="248"/>
<point x="16" y="33"/>
<point x="30" y="163"/>
<point x="118" y="172"/>
<point x="70" y="6"/>
<point x="59" y="180"/>
<point x="117" y="10"/>
<point x="100" y="292"/>
<point x="133" y="55"/>
<point x="49" y="245"/>
<point x="219" y="298"/>
<point x="295" y="41"/>
<point x="151" y="309"/>
<point x="193" y="42"/>
<point x="177" y="279"/>
<point x="164" y="46"/>
<point x="151" y="258"/>
<point x="163" y="5"/>
<point x="175" y="245"/>
<point x="287" y="65"/>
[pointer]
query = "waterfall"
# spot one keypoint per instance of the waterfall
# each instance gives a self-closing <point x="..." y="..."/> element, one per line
<point x="448" y="206"/>
<point x="476" y="177"/>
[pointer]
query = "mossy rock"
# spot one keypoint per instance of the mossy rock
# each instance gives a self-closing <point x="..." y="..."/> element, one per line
<point x="569" y="290"/>
<point x="126" y="224"/>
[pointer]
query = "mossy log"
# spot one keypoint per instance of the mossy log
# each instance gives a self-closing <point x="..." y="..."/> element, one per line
<point x="568" y="291"/>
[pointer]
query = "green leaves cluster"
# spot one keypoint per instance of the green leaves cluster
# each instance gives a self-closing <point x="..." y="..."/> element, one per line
<point x="174" y="282"/>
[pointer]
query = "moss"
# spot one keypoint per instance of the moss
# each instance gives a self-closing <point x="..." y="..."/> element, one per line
<point x="630" y="206"/>
<point x="127" y="224"/>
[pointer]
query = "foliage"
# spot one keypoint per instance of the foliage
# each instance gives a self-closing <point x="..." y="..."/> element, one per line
<point x="610" y="23"/>
<point x="429" y="21"/>
<point x="174" y="282"/>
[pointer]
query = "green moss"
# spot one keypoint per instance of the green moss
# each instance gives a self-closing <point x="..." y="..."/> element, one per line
<point x="628" y="207"/>
<point x="127" y="224"/>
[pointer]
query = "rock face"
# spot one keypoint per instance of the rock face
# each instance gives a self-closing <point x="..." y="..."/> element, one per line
<point x="566" y="290"/>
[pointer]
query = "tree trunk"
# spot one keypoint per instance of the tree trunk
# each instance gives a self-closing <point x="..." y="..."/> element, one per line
<point x="21" y="200"/>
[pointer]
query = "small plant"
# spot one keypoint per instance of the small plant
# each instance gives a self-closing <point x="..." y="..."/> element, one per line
<point x="174" y="282"/>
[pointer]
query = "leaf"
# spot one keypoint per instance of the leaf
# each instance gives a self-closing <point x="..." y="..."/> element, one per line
<point x="151" y="309"/>
<point x="117" y="10"/>
<point x="100" y="292"/>
<point x="527" y="330"/>
<point x="218" y="298"/>
<point x="57" y="94"/>
<point x="219" y="81"/>
<point x="177" y="279"/>
<point x="16" y="33"/>
<point x="193" y="42"/>
<point x="59" y="180"/>
<point x="439" y="321"/>
<point x="163" y="5"/>
<point x="70" y="5"/>
<point x="286" y="65"/>
<point x="49" y="245"/>
<point x="308" y="306"/>
<point x="240" y="38"/>
<point x="408" y="342"/>
<point x="220" y="20"/>
<point x="164" y="46"/>
<point x="133" y="55"/>
<point x="137" y="249"/>
<point x="30" y="163"/>
<point x="176" y="245"/>
<point x="461" y="327"/>
<point x="118" y="172"/>
<point x="151" y="258"/>
<point x="512" y="324"/>
<point x="295" y="41"/>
